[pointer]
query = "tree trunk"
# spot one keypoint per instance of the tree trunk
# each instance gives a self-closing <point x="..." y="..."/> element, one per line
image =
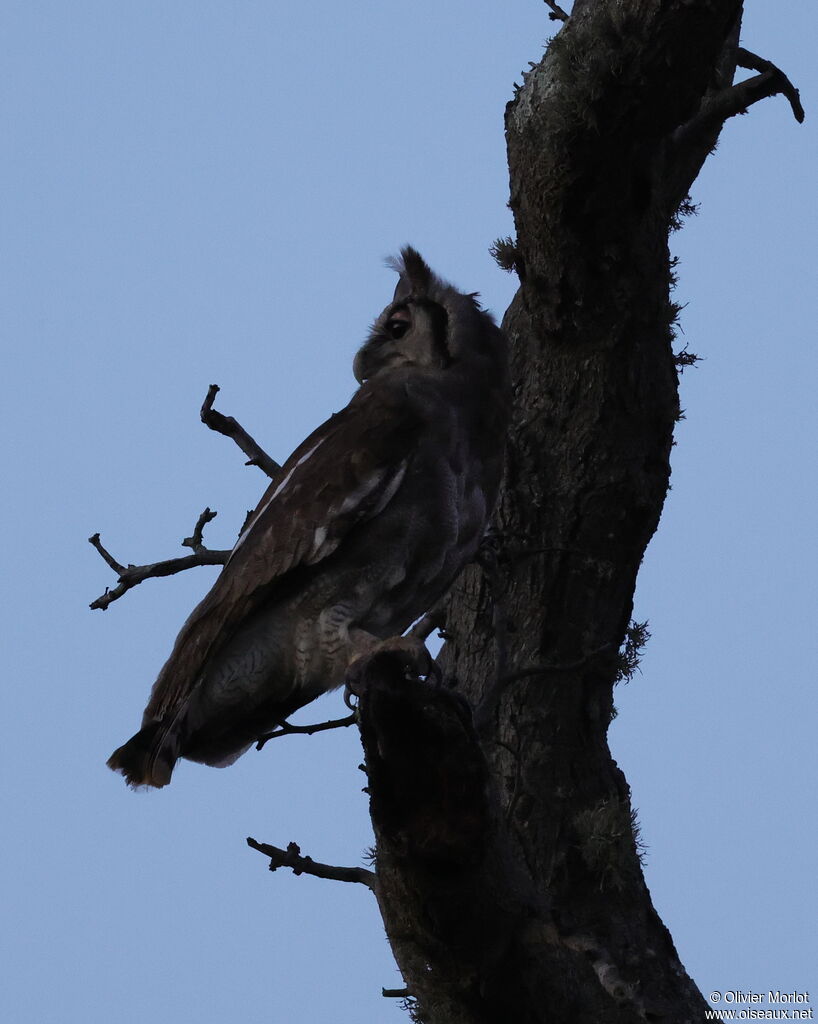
<point x="508" y="869"/>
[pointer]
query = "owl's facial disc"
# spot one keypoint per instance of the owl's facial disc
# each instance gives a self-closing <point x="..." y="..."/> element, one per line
<point x="410" y="332"/>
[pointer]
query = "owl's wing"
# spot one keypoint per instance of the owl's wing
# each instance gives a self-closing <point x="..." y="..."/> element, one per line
<point x="345" y="472"/>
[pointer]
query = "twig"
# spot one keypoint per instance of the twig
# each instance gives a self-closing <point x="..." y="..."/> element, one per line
<point x="228" y="426"/>
<point x="557" y="13"/>
<point x="291" y="858"/>
<point x="195" y="542"/>
<point x="131" y="575"/>
<point x="286" y="729"/>
<point x="109" y="558"/>
<point x="396" y="993"/>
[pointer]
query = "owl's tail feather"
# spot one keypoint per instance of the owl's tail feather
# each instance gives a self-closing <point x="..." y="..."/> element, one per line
<point x="147" y="759"/>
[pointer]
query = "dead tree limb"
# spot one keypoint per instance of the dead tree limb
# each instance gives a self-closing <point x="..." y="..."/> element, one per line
<point x="286" y="729"/>
<point x="738" y="98"/>
<point x="230" y="427"/>
<point x="773" y="82"/>
<point x="692" y="141"/>
<point x="129" y="576"/>
<point x="424" y="627"/>
<point x="195" y="541"/>
<point x="557" y="13"/>
<point x="132" y="575"/>
<point x="301" y="865"/>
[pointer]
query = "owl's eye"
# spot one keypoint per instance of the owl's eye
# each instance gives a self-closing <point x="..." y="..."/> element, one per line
<point x="397" y="326"/>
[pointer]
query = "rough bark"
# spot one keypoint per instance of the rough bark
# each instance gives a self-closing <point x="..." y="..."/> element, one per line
<point x="508" y="871"/>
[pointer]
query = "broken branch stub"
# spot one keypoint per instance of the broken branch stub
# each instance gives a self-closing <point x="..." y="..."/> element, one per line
<point x="230" y="427"/>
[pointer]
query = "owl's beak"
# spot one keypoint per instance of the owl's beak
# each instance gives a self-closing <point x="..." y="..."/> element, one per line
<point x="359" y="368"/>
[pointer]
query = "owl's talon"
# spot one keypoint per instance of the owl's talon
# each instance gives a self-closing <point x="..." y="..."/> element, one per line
<point x="415" y="660"/>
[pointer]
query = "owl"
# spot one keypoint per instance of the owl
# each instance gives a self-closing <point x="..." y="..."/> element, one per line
<point x="366" y="527"/>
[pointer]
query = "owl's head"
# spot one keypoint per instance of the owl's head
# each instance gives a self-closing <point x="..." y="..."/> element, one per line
<point x="431" y="325"/>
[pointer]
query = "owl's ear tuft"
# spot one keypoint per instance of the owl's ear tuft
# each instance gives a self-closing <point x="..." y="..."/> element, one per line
<point x="416" y="277"/>
<point x="416" y="269"/>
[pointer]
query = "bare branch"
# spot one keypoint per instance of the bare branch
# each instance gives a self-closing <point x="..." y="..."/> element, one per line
<point x="396" y="993"/>
<point x="694" y="140"/>
<point x="109" y="558"/>
<point x="132" y="575"/>
<point x="195" y="542"/>
<point x="435" y="619"/>
<point x="777" y="82"/>
<point x="735" y="99"/>
<point x="285" y="729"/>
<point x="557" y="13"/>
<point x="228" y="426"/>
<point x="291" y="858"/>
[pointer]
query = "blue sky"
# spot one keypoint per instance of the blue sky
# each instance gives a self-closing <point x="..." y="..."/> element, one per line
<point x="204" y="192"/>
